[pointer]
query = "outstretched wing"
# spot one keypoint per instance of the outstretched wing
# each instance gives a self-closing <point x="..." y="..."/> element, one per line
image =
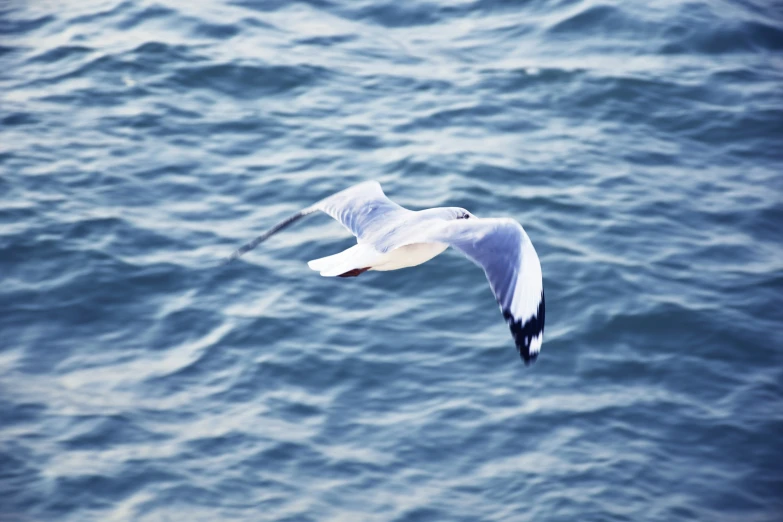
<point x="503" y="249"/>
<point x="363" y="209"/>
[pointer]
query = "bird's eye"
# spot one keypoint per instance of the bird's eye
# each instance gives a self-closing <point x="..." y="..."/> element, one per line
<point x="466" y="216"/>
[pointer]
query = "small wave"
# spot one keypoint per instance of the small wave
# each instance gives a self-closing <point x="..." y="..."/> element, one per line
<point x="247" y="81"/>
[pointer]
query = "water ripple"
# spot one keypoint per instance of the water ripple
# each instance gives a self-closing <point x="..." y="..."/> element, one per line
<point x="141" y="142"/>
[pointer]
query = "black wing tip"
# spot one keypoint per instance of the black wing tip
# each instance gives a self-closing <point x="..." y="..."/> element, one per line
<point x="227" y="260"/>
<point x="524" y="333"/>
<point x="236" y="254"/>
<point x="266" y="235"/>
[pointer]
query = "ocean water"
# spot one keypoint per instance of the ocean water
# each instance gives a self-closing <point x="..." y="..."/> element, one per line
<point x="641" y="147"/>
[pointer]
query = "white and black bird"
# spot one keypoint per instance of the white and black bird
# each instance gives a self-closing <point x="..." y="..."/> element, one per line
<point x="390" y="237"/>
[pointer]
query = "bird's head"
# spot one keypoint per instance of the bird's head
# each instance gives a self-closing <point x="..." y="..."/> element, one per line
<point x="459" y="213"/>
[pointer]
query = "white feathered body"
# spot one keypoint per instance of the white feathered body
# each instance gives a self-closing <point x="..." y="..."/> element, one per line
<point x="363" y="255"/>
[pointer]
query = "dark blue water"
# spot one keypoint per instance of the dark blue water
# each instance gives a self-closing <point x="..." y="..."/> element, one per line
<point x="140" y="142"/>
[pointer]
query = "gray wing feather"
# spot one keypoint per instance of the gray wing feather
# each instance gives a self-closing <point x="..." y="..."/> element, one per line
<point x="493" y="244"/>
<point x="363" y="209"/>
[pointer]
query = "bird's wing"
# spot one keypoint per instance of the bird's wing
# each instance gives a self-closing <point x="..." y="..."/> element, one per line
<point x="363" y="209"/>
<point x="503" y="249"/>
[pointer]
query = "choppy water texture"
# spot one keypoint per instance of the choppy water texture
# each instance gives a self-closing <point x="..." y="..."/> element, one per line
<point x="143" y="141"/>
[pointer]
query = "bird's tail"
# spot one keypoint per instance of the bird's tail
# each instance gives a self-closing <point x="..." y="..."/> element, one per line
<point x="357" y="257"/>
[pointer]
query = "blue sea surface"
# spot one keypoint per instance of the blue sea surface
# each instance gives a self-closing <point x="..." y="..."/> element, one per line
<point x="639" y="144"/>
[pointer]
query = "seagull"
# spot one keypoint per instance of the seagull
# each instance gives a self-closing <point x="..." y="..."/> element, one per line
<point x="390" y="237"/>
